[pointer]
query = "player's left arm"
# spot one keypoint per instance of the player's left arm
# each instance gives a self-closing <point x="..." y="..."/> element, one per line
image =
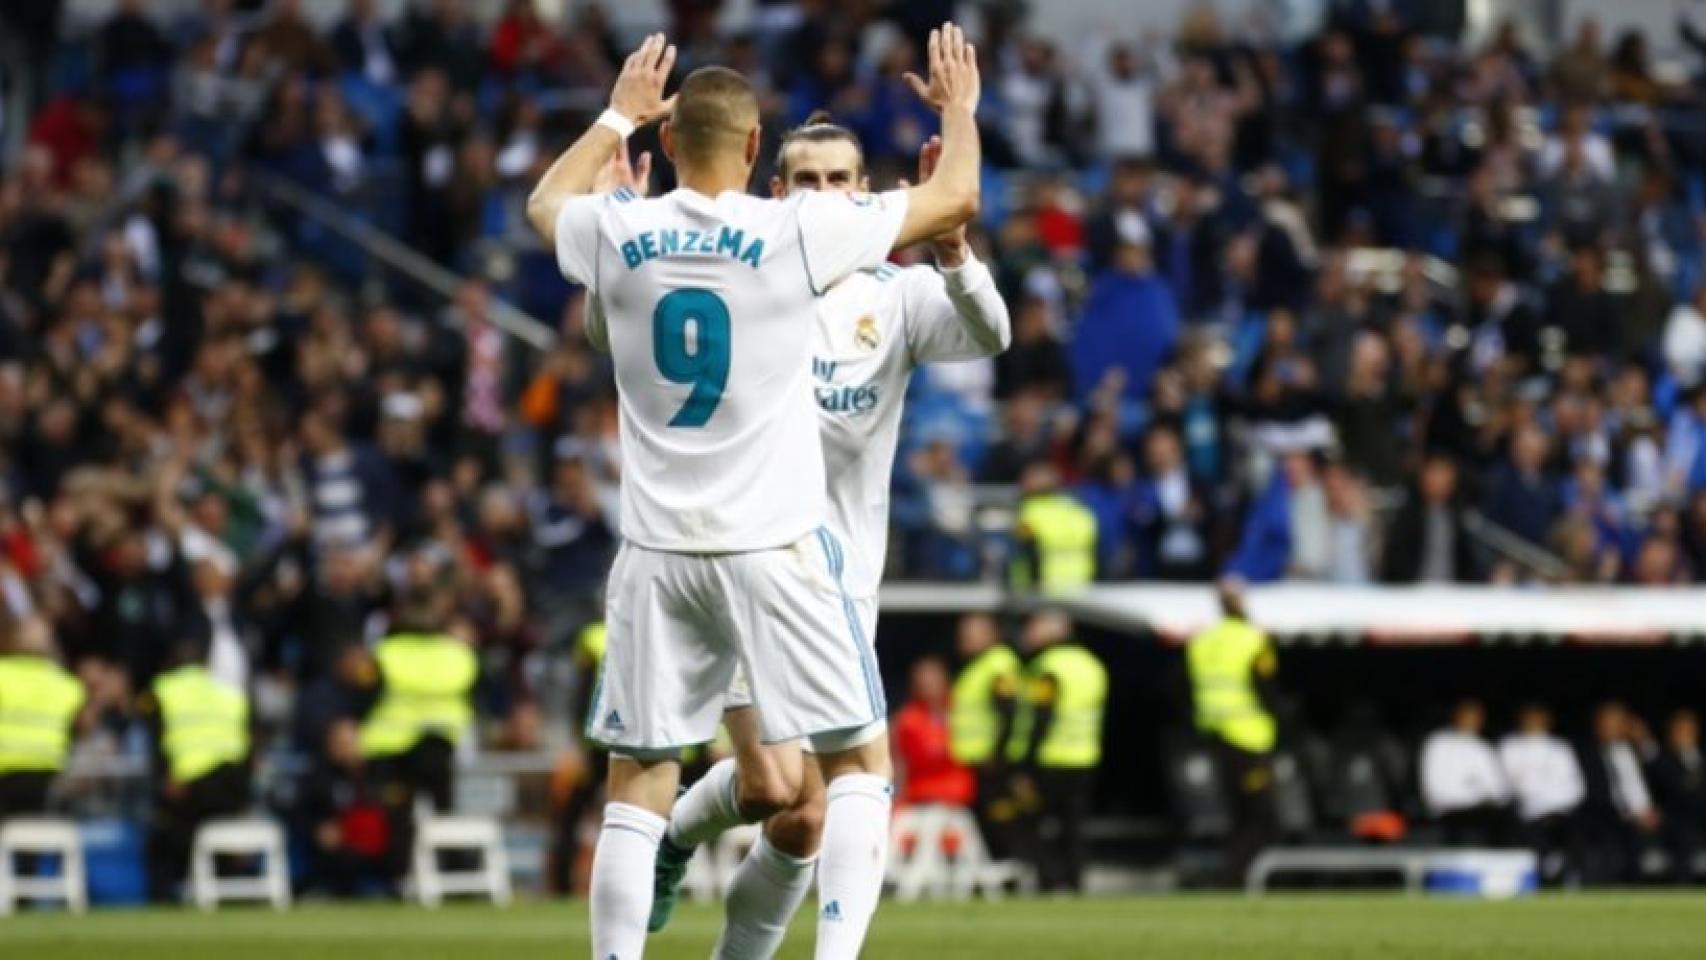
<point x="636" y="100"/>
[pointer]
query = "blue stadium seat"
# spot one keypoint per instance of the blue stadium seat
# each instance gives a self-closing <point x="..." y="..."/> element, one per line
<point x="539" y="287"/>
<point x="932" y="416"/>
<point x="1093" y="180"/>
<point x="379" y="107"/>
<point x="1246" y="343"/>
<point x="113" y="857"/>
<point x="996" y="202"/>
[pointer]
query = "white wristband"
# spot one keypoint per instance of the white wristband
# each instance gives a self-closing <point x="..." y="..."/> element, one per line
<point x="622" y="125"/>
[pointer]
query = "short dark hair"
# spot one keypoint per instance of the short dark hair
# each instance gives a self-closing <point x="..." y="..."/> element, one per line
<point x="713" y="109"/>
<point x="818" y="128"/>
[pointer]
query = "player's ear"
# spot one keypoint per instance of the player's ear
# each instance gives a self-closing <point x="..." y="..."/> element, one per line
<point x="753" y="139"/>
<point x="778" y="189"/>
<point x="864" y="182"/>
<point x="666" y="140"/>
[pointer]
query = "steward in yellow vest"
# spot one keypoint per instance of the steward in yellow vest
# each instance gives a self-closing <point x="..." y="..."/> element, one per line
<point x="39" y="704"/>
<point x="1056" y="536"/>
<point x="419" y="691"/>
<point x="202" y="738"/>
<point x="204" y="724"/>
<point x="1057" y="741"/>
<point x="1227" y="663"/>
<point x="980" y="706"/>
<point x="1232" y="667"/>
<point x="425" y="686"/>
<point x="980" y="719"/>
<point x="426" y="682"/>
<point x="420" y="681"/>
<point x="1059" y="722"/>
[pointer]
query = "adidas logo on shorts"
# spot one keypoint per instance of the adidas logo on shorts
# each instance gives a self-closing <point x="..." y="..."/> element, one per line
<point x="613" y="722"/>
<point x="832" y="910"/>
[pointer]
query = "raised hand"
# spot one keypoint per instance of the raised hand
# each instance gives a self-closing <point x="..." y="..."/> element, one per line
<point x="638" y="94"/>
<point x="954" y="80"/>
<point x="619" y="172"/>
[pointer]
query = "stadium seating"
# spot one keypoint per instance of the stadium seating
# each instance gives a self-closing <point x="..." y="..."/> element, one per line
<point x="41" y="835"/>
<point x="432" y="881"/>
<point x="937" y="852"/>
<point x="251" y="837"/>
<point x="1193" y="783"/>
<point x="1293" y="809"/>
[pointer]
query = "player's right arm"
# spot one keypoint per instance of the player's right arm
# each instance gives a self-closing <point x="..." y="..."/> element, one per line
<point x="950" y="197"/>
<point x="638" y="98"/>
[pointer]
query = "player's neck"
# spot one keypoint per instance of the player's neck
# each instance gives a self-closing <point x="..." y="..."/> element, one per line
<point x="713" y="179"/>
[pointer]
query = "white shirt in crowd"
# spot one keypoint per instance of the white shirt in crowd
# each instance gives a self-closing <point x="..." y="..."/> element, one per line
<point x="1460" y="772"/>
<point x="1125" y="113"/>
<point x="1685" y="344"/>
<point x="1027" y="97"/>
<point x="227" y="660"/>
<point x="1544" y="774"/>
<point x="1311" y="533"/>
<point x="1597" y="157"/>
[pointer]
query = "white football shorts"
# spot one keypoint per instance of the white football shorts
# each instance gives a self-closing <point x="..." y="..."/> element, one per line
<point x="740" y="691"/>
<point x="681" y="624"/>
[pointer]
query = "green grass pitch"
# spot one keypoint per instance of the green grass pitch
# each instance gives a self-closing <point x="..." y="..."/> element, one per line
<point x="1320" y="926"/>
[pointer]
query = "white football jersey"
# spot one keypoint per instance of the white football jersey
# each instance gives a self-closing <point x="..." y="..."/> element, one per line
<point x="708" y="304"/>
<point x="873" y="330"/>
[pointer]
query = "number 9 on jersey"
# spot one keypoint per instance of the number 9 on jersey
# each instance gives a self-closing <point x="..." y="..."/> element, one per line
<point x="690" y="341"/>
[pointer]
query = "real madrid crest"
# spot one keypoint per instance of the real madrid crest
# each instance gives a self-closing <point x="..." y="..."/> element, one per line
<point x="865" y="333"/>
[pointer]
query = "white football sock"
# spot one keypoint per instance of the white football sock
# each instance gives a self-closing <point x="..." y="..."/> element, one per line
<point x="707" y="809"/>
<point x="767" y="889"/>
<point x="622" y="881"/>
<point x="850" y="864"/>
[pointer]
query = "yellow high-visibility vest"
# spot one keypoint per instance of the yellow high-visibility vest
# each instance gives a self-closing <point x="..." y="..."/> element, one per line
<point x="427" y="682"/>
<point x="974" y="723"/>
<point x="1074" y="739"/>
<point x="38" y="701"/>
<point x="204" y="724"/>
<point x="1063" y="532"/>
<point x="1223" y="661"/>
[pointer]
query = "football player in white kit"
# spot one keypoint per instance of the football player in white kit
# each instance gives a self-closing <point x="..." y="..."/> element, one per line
<point x="873" y="330"/>
<point x="708" y="294"/>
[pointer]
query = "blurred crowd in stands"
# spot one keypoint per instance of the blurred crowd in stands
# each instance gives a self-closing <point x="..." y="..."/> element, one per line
<point x="1337" y="298"/>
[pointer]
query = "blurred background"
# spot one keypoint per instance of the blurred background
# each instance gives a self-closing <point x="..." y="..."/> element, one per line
<point x="1391" y="310"/>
